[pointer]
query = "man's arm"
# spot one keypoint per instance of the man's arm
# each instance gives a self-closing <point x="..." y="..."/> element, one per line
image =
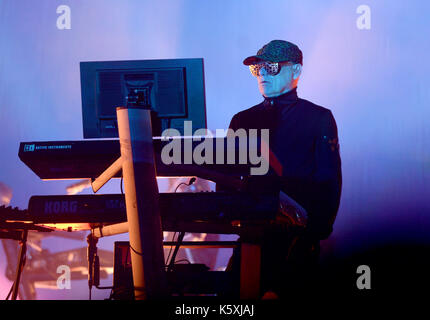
<point x="327" y="180"/>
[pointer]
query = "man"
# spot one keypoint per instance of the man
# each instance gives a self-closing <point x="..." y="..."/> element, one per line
<point x="303" y="138"/>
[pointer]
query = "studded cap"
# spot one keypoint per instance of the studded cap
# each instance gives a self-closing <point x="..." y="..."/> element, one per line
<point x="276" y="51"/>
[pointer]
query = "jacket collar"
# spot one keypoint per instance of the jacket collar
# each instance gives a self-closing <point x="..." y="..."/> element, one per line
<point x="284" y="99"/>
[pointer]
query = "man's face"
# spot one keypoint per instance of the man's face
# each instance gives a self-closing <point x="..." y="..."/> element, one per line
<point x="275" y="85"/>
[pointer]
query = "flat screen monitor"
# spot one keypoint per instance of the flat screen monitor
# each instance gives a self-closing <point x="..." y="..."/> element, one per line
<point x="173" y="89"/>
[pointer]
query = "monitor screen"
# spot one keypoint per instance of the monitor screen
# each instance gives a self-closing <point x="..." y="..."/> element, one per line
<point x="172" y="88"/>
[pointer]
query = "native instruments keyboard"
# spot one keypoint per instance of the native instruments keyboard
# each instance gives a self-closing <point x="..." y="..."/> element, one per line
<point x="81" y="159"/>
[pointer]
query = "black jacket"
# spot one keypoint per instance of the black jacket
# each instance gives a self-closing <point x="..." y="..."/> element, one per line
<point x="303" y="137"/>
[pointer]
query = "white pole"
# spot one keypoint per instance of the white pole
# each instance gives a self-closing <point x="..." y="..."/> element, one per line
<point x="141" y="199"/>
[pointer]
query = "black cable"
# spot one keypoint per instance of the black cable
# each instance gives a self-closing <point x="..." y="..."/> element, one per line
<point x="175" y="252"/>
<point x="13" y="284"/>
<point x="91" y="254"/>
<point x="120" y="185"/>
<point x="96" y="274"/>
<point x="136" y="252"/>
<point x="21" y="263"/>
<point x="110" y="295"/>
<point x="103" y="288"/>
<point x="182" y="183"/>
<point x="192" y="180"/>
<point x="181" y="235"/>
<point x="10" y="291"/>
<point x="170" y="251"/>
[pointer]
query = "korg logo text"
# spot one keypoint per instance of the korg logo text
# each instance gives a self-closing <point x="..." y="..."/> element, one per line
<point x="61" y="206"/>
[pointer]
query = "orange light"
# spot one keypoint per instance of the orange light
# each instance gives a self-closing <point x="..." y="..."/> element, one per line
<point x="67" y="226"/>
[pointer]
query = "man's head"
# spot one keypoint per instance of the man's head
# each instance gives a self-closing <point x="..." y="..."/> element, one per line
<point x="277" y="67"/>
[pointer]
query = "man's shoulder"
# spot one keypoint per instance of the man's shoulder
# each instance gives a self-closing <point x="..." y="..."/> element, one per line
<point x="250" y="111"/>
<point x="305" y="109"/>
<point x="311" y="107"/>
<point x="304" y="105"/>
<point x="248" y="117"/>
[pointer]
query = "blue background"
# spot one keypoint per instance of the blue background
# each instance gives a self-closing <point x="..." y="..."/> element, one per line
<point x="375" y="82"/>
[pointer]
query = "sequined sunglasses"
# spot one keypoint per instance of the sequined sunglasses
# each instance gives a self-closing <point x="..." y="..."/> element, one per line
<point x="272" y="68"/>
